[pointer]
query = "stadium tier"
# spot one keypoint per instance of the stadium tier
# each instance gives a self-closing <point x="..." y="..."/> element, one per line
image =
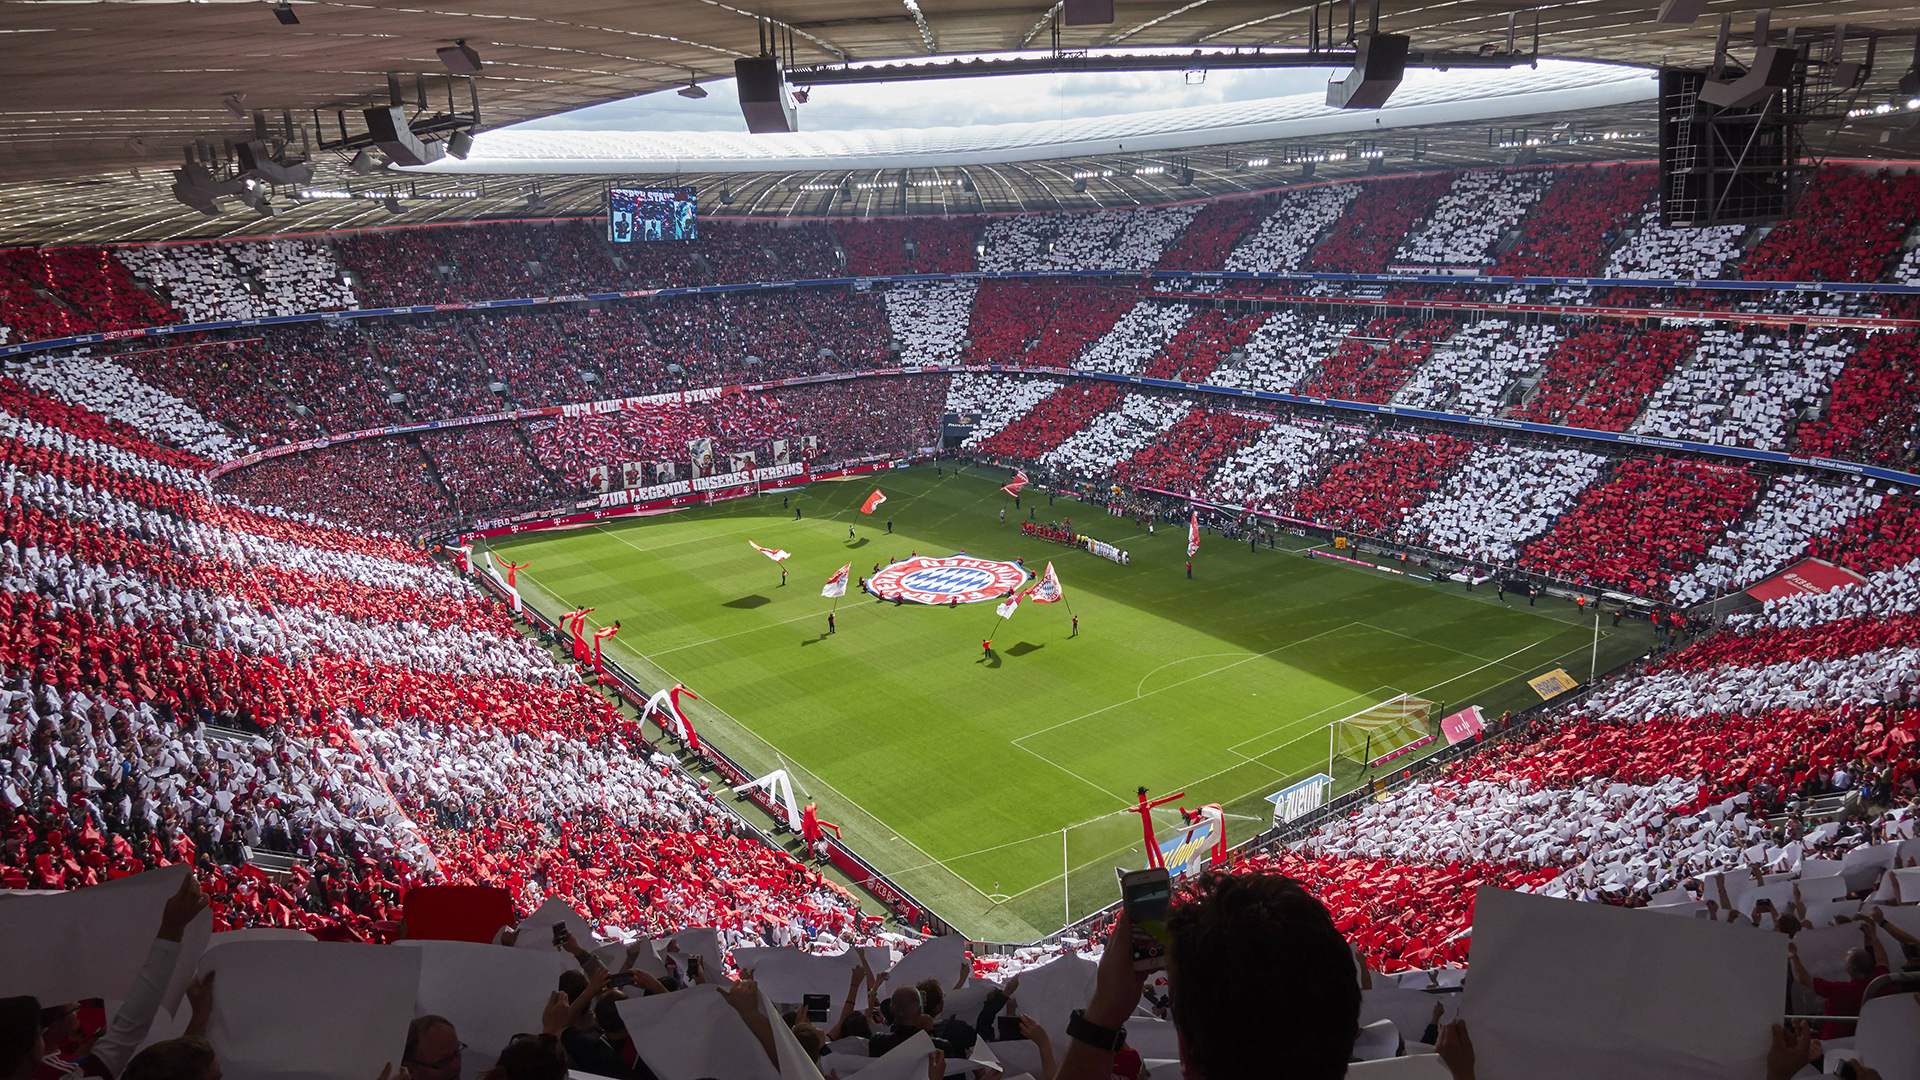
<point x="1429" y="597"/>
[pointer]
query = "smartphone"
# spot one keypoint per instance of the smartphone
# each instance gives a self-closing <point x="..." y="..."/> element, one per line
<point x="816" y="1006"/>
<point x="693" y="967"/>
<point x="619" y="979"/>
<point x="1146" y="895"/>
<point x="559" y="933"/>
<point x="1009" y="1028"/>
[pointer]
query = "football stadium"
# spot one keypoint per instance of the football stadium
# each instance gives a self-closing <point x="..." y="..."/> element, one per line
<point x="1112" y="538"/>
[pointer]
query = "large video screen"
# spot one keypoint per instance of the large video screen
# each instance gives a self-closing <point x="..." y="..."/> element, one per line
<point x="651" y="214"/>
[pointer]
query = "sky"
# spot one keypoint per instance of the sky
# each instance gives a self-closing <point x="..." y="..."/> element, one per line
<point x="1001" y="99"/>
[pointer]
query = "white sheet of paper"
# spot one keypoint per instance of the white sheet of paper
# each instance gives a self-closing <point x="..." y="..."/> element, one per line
<point x="1822" y="912"/>
<point x="88" y="942"/>
<point x="908" y="1061"/>
<point x="788" y="975"/>
<point x="1050" y="992"/>
<point x="292" y="1010"/>
<point x="1018" y="1055"/>
<point x="1888" y="1040"/>
<point x="1151" y="1037"/>
<point x="1908" y="880"/>
<point x="536" y="930"/>
<point x="1823" y="950"/>
<point x="692" y="1034"/>
<point x="1861" y="867"/>
<point x="942" y="958"/>
<point x="491" y="994"/>
<point x="1591" y="992"/>
<point x="1819" y="868"/>
<point x="697" y="941"/>
<point x="1410" y="1010"/>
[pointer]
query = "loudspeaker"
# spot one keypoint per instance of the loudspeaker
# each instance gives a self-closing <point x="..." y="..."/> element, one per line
<point x="394" y="139"/>
<point x="763" y="95"/>
<point x="256" y="159"/>
<point x="1772" y="70"/>
<point x="1087" y="12"/>
<point x="460" y="59"/>
<point x="1379" y="62"/>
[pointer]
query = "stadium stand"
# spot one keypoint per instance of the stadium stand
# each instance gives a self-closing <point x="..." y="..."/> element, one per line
<point x="1471" y="218"/>
<point x="1473" y="371"/>
<point x="1581" y="216"/>
<point x="1363" y="240"/>
<point x="1648" y="522"/>
<point x="263" y="676"/>
<point x="1847" y="226"/>
<point x="1870" y="414"/>
<point x="1601" y="379"/>
<point x="1372" y="491"/>
<point x="1745" y="388"/>
<point x="1284" y="239"/>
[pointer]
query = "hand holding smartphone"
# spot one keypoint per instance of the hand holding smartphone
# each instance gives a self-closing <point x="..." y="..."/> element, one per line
<point x="1146" y="895"/>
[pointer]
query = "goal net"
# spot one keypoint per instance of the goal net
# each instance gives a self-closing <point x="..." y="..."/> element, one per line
<point x="1372" y="733"/>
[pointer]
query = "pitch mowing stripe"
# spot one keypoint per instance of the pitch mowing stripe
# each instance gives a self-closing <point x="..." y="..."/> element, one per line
<point x="903" y="719"/>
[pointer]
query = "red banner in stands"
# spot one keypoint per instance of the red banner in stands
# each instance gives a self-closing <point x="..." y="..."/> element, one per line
<point x="457" y="912"/>
<point x="1805" y="577"/>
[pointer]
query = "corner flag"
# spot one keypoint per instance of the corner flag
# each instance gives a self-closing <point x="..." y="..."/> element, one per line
<point x="1193" y="534"/>
<point x="1019" y="481"/>
<point x="837" y="584"/>
<point x="873" y="500"/>
<point x="772" y="553"/>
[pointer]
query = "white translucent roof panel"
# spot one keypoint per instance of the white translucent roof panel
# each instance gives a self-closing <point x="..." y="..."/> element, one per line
<point x="1426" y="98"/>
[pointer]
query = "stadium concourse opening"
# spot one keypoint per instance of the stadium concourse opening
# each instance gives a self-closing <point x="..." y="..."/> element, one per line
<point x="789" y="576"/>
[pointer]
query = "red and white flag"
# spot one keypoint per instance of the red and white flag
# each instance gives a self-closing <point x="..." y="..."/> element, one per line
<point x="837" y="584"/>
<point x="1047" y="590"/>
<point x="1006" y="609"/>
<point x="1019" y="481"/>
<point x="873" y="500"/>
<point x="772" y="553"/>
<point x="1193" y="534"/>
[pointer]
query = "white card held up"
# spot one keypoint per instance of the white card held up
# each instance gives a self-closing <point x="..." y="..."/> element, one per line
<point x="697" y="941"/>
<point x="693" y="1034"/>
<point x="942" y="958"/>
<point x="1591" y="992"/>
<point x="89" y="942"/>
<point x="1050" y="993"/>
<point x="294" y="1010"/>
<point x="908" y="1061"/>
<point x="1889" y="1036"/>
<point x="536" y="930"/>
<point x="491" y="994"/>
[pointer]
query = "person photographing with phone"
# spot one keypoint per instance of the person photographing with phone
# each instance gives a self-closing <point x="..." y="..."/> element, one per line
<point x="1262" y="983"/>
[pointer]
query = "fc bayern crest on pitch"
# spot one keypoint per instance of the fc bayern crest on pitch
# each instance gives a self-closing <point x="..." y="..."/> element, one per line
<point x="954" y="579"/>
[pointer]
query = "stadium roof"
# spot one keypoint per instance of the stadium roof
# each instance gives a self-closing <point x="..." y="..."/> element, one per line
<point x="1427" y="98"/>
<point x="102" y="95"/>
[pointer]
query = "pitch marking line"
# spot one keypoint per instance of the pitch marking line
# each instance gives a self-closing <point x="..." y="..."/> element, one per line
<point x="1139" y="696"/>
<point x="849" y="803"/>
<point x="1374" y="693"/>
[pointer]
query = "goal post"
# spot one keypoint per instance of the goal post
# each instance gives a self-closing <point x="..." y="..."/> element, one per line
<point x="1372" y="733"/>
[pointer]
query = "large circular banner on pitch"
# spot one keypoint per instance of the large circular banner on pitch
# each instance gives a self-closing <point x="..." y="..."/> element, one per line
<point x="955" y="579"/>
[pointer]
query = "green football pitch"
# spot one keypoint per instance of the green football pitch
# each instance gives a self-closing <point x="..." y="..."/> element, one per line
<point x="997" y="791"/>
